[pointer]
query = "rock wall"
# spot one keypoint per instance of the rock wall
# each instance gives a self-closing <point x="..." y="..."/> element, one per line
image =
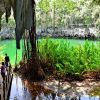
<point x="7" y="33"/>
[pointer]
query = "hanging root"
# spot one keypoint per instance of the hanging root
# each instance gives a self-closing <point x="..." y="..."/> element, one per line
<point x="32" y="69"/>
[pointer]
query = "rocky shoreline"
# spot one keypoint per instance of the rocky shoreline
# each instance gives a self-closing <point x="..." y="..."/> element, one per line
<point x="89" y="37"/>
<point x="9" y="33"/>
<point x="69" y="36"/>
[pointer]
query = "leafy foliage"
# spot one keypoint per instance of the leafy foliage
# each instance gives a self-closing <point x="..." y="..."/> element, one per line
<point x="11" y="22"/>
<point x="68" y="12"/>
<point x="70" y="59"/>
<point x="97" y="2"/>
<point x="1" y="57"/>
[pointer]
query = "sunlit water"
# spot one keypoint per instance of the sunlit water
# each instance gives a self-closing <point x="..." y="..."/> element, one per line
<point x="9" y="47"/>
<point x="18" y="90"/>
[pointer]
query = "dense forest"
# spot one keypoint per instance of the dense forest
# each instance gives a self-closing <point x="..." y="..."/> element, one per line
<point x="64" y="14"/>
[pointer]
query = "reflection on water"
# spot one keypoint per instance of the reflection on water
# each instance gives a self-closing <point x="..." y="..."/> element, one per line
<point x="64" y="97"/>
<point x="24" y="90"/>
<point x="90" y="98"/>
<point x="18" y="90"/>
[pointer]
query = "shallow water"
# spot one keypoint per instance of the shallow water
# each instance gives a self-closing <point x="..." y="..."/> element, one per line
<point x="18" y="90"/>
<point x="89" y="98"/>
<point x="24" y="90"/>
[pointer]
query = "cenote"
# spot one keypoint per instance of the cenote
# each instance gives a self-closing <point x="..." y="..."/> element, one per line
<point x="59" y="55"/>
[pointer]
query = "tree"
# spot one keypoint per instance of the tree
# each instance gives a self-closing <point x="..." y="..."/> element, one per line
<point x="33" y="68"/>
<point x="97" y="2"/>
<point x="44" y="6"/>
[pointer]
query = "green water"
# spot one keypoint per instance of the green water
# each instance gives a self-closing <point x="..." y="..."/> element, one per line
<point x="74" y="42"/>
<point x="9" y="47"/>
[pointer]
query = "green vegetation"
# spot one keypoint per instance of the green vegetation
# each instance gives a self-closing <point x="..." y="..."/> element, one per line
<point x="1" y="56"/>
<point x="64" y="13"/>
<point x="11" y="22"/>
<point x="70" y="59"/>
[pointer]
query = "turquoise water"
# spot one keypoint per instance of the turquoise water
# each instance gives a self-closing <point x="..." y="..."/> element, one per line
<point x="74" y="42"/>
<point x="9" y="47"/>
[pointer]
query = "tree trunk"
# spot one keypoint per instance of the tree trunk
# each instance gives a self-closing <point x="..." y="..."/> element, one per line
<point x="46" y="21"/>
<point x="54" y="19"/>
<point x="36" y="72"/>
